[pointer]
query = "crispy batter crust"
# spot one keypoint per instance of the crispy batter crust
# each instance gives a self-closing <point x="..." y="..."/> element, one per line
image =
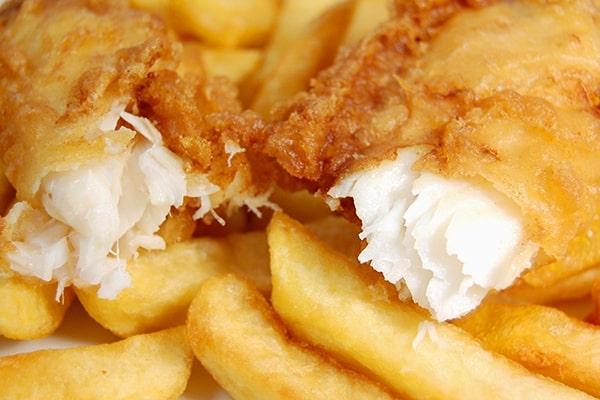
<point x="62" y="65"/>
<point x="505" y="91"/>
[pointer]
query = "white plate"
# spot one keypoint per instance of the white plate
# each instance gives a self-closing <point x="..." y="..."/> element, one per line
<point x="78" y="329"/>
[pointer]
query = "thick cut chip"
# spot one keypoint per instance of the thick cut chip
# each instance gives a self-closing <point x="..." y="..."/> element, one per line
<point x="235" y="64"/>
<point x="300" y="205"/>
<point x="368" y="14"/>
<point x="239" y="339"/>
<point x="28" y="308"/>
<point x="583" y="253"/>
<point x="293" y="19"/>
<point x="155" y="366"/>
<point x="543" y="339"/>
<point x="165" y="282"/>
<point x="226" y="22"/>
<point x="351" y="312"/>
<point x="572" y="288"/>
<point x="337" y="233"/>
<point x="313" y="50"/>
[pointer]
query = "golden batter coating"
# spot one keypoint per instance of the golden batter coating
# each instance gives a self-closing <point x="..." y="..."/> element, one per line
<point x="506" y="91"/>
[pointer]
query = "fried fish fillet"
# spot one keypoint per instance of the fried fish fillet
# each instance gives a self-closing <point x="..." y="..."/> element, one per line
<point x="466" y="134"/>
<point x="101" y="138"/>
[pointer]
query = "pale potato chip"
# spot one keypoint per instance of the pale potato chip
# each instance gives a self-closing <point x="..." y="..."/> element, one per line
<point x="292" y="21"/>
<point x="300" y="205"/>
<point x="301" y="59"/>
<point x="165" y="282"/>
<point x="368" y="14"/>
<point x="543" y="339"/>
<point x="154" y="366"/>
<point x="235" y="64"/>
<point x="351" y="312"/>
<point x="28" y="307"/>
<point x="239" y="339"/>
<point x="571" y="288"/>
<point x="228" y="23"/>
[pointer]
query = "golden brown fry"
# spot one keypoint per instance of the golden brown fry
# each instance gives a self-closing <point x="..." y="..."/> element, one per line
<point x="292" y="21"/>
<point x="594" y="317"/>
<point x="239" y="339"/>
<point x="368" y="14"/>
<point x="165" y="282"/>
<point x="339" y="234"/>
<point x="543" y="339"/>
<point x="301" y="205"/>
<point x="235" y="64"/>
<point x="227" y="23"/>
<point x="249" y="257"/>
<point x="583" y="253"/>
<point x="350" y="311"/>
<point x="313" y="50"/>
<point x="574" y="287"/>
<point x="155" y="366"/>
<point x="158" y="7"/>
<point x="28" y="308"/>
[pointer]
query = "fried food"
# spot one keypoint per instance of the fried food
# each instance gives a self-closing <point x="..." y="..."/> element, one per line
<point x="226" y="22"/>
<point x="239" y="339"/>
<point x="572" y="288"/>
<point x="165" y="282"/>
<point x="311" y="51"/>
<point x="235" y="64"/>
<point x="368" y="14"/>
<point x="29" y="309"/>
<point x="425" y="106"/>
<point x="154" y="366"/>
<point x="352" y="313"/>
<point x="94" y="176"/>
<point x="292" y="22"/>
<point x="543" y="339"/>
<point x="583" y="253"/>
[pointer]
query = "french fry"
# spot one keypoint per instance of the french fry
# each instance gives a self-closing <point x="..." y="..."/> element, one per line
<point x="249" y="257"/>
<point x="158" y="7"/>
<point x="367" y="16"/>
<point x="239" y="339"/>
<point x="351" y="312"/>
<point x="594" y="318"/>
<point x="313" y="50"/>
<point x="582" y="254"/>
<point x="154" y="366"/>
<point x="28" y="309"/>
<point x="292" y="21"/>
<point x="572" y="288"/>
<point x="543" y="339"/>
<point x="165" y="282"/>
<point x="301" y="205"/>
<point x="235" y="64"/>
<point x="228" y="23"/>
<point x="337" y="233"/>
<point x="191" y="64"/>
